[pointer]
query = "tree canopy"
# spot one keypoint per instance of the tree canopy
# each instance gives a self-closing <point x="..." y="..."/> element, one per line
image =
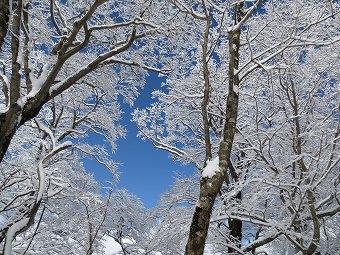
<point x="250" y="98"/>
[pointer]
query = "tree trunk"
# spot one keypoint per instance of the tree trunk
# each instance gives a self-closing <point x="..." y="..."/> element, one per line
<point x="210" y="187"/>
<point x="16" y="116"/>
<point x="8" y="126"/>
<point x="235" y="227"/>
<point x="4" y="17"/>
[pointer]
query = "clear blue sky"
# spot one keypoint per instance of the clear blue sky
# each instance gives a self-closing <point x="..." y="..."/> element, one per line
<point x="145" y="171"/>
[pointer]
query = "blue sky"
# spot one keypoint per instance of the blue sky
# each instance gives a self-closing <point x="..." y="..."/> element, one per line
<point x="145" y="171"/>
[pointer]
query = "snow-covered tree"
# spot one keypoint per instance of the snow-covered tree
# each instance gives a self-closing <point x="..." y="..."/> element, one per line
<point x="128" y="222"/>
<point x="63" y="66"/>
<point x="290" y="145"/>
<point x="49" y="46"/>
<point x="46" y="152"/>
<point x="196" y="118"/>
<point x="171" y="218"/>
<point x="252" y="101"/>
<point x="70" y="223"/>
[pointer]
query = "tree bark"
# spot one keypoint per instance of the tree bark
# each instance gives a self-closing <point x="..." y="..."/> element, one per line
<point x="235" y="227"/>
<point x="8" y="126"/>
<point x="210" y="187"/>
<point x="4" y="17"/>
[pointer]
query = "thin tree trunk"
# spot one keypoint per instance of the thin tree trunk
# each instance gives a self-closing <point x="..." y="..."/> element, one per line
<point x="235" y="227"/>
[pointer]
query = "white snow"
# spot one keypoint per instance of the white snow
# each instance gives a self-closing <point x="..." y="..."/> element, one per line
<point x="111" y="247"/>
<point x="67" y="143"/>
<point x="47" y="131"/>
<point x="21" y="102"/>
<point x="38" y="82"/>
<point x="211" y="168"/>
<point x="235" y="88"/>
<point x="3" y="109"/>
<point x="128" y="241"/>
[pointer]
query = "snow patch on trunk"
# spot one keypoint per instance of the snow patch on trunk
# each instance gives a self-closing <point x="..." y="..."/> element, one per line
<point x="37" y="83"/>
<point x="211" y="168"/>
<point x="235" y="88"/>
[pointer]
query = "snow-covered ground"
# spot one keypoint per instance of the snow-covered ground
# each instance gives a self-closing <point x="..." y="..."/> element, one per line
<point x="111" y="247"/>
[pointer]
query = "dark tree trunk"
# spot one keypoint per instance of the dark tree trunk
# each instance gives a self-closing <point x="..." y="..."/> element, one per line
<point x="8" y="126"/>
<point x="4" y="17"/>
<point x="235" y="227"/>
<point x="11" y="120"/>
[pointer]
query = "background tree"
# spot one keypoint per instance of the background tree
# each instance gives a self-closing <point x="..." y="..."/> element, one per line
<point x="292" y="147"/>
<point x="171" y="218"/>
<point x="36" y="169"/>
<point x="128" y="222"/>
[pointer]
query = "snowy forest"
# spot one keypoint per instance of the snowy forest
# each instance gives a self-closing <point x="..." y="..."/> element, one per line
<point x="250" y="98"/>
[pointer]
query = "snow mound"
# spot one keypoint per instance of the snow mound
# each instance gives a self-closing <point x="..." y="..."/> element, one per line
<point x="111" y="247"/>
